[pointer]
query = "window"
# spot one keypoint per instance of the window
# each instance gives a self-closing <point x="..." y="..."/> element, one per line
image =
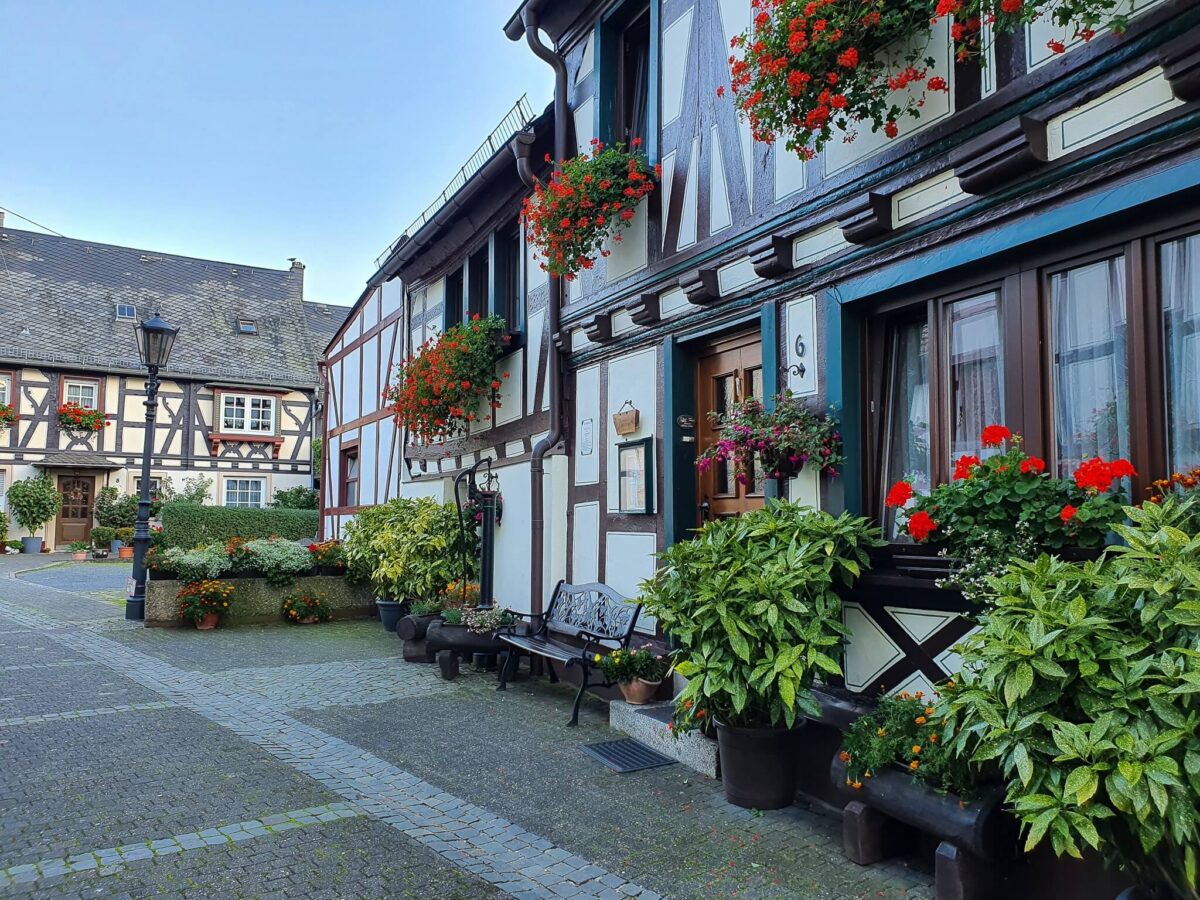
<point x="247" y="326"/>
<point x="1091" y="363"/>
<point x="6" y="388"/>
<point x="633" y="79"/>
<point x="349" y="487"/>
<point x="508" y="275"/>
<point x="155" y="487"/>
<point x="126" y="311"/>
<point x="477" y="290"/>
<point x="85" y="393"/>
<point x="452" y="314"/>
<point x="975" y="371"/>
<point x="4" y="490"/>
<point x="247" y="414"/>
<point x="248" y="493"/>
<point x="1179" y="265"/>
<point x="907" y="428"/>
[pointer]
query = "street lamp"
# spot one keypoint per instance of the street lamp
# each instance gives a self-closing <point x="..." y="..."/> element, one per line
<point x="154" y="339"/>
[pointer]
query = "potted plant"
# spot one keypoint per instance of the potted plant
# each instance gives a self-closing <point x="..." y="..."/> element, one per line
<point x="1082" y="685"/>
<point x="116" y="511"/>
<point x="778" y="442"/>
<point x="79" y="550"/>
<point x="752" y="604"/>
<point x="306" y="608"/>
<point x="328" y="557"/>
<point x="1079" y="19"/>
<point x="588" y="201"/>
<point x="8" y="415"/>
<point x="410" y="549"/>
<point x="125" y="537"/>
<point x="469" y="629"/>
<point x="204" y="602"/>
<point x="80" y="421"/>
<point x="105" y="536"/>
<point x="638" y="673"/>
<point x="277" y="560"/>
<point x="33" y="502"/>
<point x="1007" y="505"/>
<point x="440" y="391"/>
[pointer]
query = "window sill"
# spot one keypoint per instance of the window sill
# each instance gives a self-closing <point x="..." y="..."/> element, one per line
<point x="216" y="439"/>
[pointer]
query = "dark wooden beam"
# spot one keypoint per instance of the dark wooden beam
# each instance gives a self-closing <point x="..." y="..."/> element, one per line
<point x="701" y="286"/>
<point x="867" y="216"/>
<point x="644" y="309"/>
<point x="1012" y="150"/>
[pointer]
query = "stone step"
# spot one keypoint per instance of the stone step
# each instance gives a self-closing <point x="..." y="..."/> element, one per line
<point x="648" y="723"/>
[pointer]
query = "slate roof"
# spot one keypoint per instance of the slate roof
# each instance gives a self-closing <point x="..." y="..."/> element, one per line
<point x="58" y="299"/>
<point x="324" y="320"/>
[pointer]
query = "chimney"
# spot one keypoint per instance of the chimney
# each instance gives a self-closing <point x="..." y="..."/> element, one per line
<point x="297" y="266"/>
<point x="1" y="218"/>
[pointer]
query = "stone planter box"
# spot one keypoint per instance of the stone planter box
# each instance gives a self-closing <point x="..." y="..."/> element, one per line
<point x="259" y="603"/>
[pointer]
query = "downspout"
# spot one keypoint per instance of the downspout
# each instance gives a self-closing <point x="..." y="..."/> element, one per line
<point x="537" y="466"/>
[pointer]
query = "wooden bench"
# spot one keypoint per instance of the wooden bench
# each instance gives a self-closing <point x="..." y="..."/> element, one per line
<point x="592" y="613"/>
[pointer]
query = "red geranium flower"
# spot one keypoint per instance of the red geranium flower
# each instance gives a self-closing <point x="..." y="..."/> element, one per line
<point x="1034" y="465"/>
<point x="995" y="435"/>
<point x="1068" y="513"/>
<point x="899" y="494"/>
<point x="964" y="465"/>
<point x="920" y="525"/>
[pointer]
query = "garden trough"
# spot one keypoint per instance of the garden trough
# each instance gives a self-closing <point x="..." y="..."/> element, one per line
<point x="258" y="602"/>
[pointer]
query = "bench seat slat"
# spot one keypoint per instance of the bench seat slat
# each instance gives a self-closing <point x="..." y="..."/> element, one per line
<point x="542" y="647"/>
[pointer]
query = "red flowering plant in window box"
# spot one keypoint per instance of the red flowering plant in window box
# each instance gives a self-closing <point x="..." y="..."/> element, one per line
<point x="809" y="67"/>
<point x="441" y="390"/>
<point x="586" y="202"/>
<point x="777" y="442"/>
<point x="1007" y="505"/>
<point x="1077" y="18"/>
<point x="8" y="415"/>
<point x="80" y="420"/>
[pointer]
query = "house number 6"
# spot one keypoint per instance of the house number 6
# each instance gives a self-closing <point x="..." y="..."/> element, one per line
<point x="798" y="369"/>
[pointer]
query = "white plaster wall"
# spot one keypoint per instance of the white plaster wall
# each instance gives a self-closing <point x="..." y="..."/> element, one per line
<point x="510" y="387"/>
<point x="435" y="488"/>
<point x="632" y="377"/>
<point x="629" y="253"/>
<point x="676" y="42"/>
<point x="629" y="559"/>
<point x="585" y="543"/>
<point x="368" y="456"/>
<point x="533" y="350"/>
<point x="393" y="297"/>
<point x="512" y="539"/>
<point x="588" y="421"/>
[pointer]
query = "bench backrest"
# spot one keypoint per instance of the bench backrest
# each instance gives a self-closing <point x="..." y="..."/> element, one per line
<point x="594" y="608"/>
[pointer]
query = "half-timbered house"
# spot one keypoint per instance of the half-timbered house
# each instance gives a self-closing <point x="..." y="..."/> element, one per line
<point x="239" y="398"/>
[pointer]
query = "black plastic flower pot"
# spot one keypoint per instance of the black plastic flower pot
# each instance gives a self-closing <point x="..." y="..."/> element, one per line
<point x="389" y="613"/>
<point x="758" y="765"/>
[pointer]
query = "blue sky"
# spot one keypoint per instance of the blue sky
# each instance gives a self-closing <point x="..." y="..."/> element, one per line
<point x="250" y="131"/>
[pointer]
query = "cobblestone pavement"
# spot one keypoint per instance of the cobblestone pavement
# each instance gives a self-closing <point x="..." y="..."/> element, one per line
<point x="314" y="762"/>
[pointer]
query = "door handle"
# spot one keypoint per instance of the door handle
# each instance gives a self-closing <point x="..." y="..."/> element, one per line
<point x="704" y="508"/>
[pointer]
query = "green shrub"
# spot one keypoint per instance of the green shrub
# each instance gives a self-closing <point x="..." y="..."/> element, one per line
<point x="1083" y="685"/>
<point x="752" y="601"/>
<point x="299" y="497"/>
<point x="102" y="535"/>
<point x="4" y="526"/>
<point x="125" y="536"/>
<point x="410" y="549"/>
<point x="34" y="502"/>
<point x="197" y="564"/>
<point x="189" y="524"/>
<point x="278" y="561"/>
<point x="114" y="510"/>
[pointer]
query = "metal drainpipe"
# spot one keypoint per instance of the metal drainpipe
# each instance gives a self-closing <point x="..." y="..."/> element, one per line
<point x="537" y="468"/>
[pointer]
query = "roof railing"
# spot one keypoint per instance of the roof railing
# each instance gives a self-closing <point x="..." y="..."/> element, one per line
<point x="515" y="120"/>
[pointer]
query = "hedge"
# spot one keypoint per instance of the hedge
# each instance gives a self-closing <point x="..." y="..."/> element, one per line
<point x="188" y="524"/>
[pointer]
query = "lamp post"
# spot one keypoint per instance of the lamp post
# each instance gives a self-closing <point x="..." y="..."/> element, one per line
<point x="154" y="339"/>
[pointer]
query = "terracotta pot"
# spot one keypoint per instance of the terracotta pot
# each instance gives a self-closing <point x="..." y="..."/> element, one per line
<point x="125" y="553"/>
<point x="209" y="622"/>
<point x="79" y="555"/>
<point x="639" y="690"/>
<point x="308" y="620"/>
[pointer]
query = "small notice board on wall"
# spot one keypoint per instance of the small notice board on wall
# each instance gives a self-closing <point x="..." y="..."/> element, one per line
<point x="635" y="476"/>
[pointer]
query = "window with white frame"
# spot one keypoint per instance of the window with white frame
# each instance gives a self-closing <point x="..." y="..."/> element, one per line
<point x="85" y="393"/>
<point x="247" y="414"/>
<point x="248" y="493"/>
<point x="6" y="384"/>
<point x="126" y="311"/>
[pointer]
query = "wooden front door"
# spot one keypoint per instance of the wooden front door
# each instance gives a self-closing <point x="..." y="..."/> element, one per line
<point x="727" y="372"/>
<point x="75" y="518"/>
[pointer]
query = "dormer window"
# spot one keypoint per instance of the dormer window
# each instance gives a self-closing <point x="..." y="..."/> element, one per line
<point x="126" y="311"/>
<point x="247" y="326"/>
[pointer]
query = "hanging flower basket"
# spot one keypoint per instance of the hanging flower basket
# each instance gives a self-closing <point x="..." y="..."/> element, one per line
<point x="441" y="390"/>
<point x="809" y="68"/>
<point x="587" y="202"/>
<point x="777" y="442"/>
<point x="1078" y="19"/>
<point x="80" y="421"/>
<point x="8" y="416"/>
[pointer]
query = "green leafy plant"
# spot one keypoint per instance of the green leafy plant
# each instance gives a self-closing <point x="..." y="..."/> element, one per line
<point x="103" y="535"/>
<point x="13" y="545"/>
<point x="439" y="391"/>
<point x="301" y="605"/>
<point x="203" y="563"/>
<point x="198" y="599"/>
<point x="114" y="510"/>
<point x="78" y="546"/>
<point x="8" y="416"/>
<point x="299" y="497"/>
<point x="1077" y="19"/>
<point x="34" y="502"/>
<point x="125" y="536"/>
<point x="622" y="666"/>
<point x="187" y="524"/>
<point x="586" y="202"/>
<point x="427" y="607"/>
<point x="776" y="442"/>
<point x="752" y="601"/>
<point x="409" y="548"/>
<point x="906" y="731"/>
<point x="277" y="560"/>
<point x="453" y="616"/>
<point x="80" y="420"/>
<point x="4" y="526"/>
<point x="1083" y="685"/>
<point x="328" y="553"/>
<point x="317" y="448"/>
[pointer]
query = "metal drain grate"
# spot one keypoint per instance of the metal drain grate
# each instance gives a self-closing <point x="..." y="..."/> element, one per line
<point x="626" y="755"/>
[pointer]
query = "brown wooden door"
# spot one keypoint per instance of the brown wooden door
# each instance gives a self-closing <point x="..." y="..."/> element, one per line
<point x="727" y="373"/>
<point x="75" y="518"/>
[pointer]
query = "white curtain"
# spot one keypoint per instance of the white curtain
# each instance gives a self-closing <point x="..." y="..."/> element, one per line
<point x="976" y="372"/>
<point x="907" y="452"/>
<point x="1180" y="266"/>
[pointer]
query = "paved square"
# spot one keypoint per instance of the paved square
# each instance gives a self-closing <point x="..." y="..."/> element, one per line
<point x="314" y="762"/>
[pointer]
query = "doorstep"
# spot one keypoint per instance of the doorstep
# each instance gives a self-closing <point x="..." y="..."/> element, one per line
<point x="648" y="723"/>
